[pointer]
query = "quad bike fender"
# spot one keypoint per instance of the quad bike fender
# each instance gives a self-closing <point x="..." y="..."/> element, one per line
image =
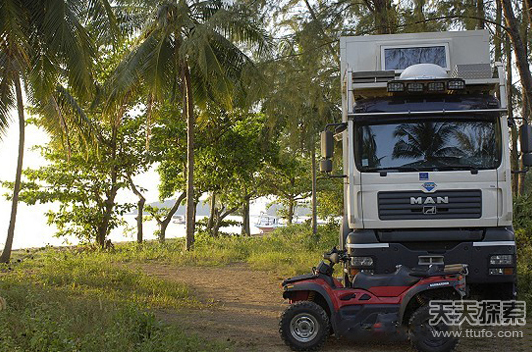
<point x="432" y="287"/>
<point x="291" y="292"/>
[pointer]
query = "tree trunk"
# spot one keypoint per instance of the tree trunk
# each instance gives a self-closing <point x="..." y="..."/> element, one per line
<point x="290" y="217"/>
<point x="6" y="253"/>
<point x="140" y="211"/>
<point x="314" y="204"/>
<point x="188" y="107"/>
<point x="382" y="13"/>
<point x="195" y="209"/>
<point x="246" y="227"/>
<point x="103" y="228"/>
<point x="519" y="50"/>
<point x="322" y="30"/>
<point x="140" y="208"/>
<point x="419" y="15"/>
<point x="480" y="14"/>
<point x="163" y="225"/>
<point x="514" y="156"/>
<point x="220" y="216"/>
<point x="216" y="228"/>
<point x="497" y="40"/>
<point x="527" y="5"/>
<point x="526" y="102"/>
<point x="212" y="210"/>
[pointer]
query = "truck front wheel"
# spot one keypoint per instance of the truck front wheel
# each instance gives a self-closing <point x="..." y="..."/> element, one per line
<point x="304" y="326"/>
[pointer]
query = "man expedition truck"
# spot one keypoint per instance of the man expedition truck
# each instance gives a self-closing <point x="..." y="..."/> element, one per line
<point x="426" y="158"/>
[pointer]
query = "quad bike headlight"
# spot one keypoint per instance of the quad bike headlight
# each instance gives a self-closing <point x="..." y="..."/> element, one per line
<point x="361" y="261"/>
<point x="501" y="259"/>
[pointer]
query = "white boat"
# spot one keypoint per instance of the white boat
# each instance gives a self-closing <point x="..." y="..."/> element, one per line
<point x="178" y="219"/>
<point x="267" y="223"/>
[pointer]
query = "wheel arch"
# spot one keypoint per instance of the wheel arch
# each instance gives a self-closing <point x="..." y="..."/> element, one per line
<point x="421" y="296"/>
<point x="314" y="293"/>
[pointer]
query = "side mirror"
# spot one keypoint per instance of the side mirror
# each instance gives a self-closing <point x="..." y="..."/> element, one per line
<point x="526" y="139"/>
<point x="327" y="144"/>
<point x="334" y="258"/>
<point x="527" y="159"/>
<point x="326" y="165"/>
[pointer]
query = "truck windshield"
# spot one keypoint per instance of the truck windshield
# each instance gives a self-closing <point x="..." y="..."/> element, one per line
<point x="428" y="144"/>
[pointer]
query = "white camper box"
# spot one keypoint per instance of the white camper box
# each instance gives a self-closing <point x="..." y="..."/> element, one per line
<point x="372" y="61"/>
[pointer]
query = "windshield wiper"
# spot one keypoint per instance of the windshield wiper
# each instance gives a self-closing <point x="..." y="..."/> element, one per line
<point x="458" y="167"/>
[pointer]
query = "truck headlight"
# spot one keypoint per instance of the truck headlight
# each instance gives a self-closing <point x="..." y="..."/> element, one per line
<point x="496" y="271"/>
<point x="361" y="261"/>
<point x="501" y="259"/>
<point x="501" y="271"/>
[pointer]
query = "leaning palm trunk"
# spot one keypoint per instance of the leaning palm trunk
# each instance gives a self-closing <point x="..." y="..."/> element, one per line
<point x="6" y="254"/>
<point x="188" y="107"/>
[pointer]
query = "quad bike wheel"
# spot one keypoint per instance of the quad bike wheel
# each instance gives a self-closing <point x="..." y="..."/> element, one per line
<point x="304" y="326"/>
<point x="423" y="336"/>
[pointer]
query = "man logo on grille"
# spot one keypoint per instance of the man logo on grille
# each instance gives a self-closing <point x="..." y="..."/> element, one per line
<point x="429" y="200"/>
<point x="429" y="210"/>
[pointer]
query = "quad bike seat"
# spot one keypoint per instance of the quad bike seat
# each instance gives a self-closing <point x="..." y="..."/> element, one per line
<point x="401" y="277"/>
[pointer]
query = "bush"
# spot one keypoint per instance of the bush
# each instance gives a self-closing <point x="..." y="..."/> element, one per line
<point x="523" y="212"/>
<point x="524" y="265"/>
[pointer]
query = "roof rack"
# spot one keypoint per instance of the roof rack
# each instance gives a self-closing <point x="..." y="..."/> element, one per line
<point x="372" y="84"/>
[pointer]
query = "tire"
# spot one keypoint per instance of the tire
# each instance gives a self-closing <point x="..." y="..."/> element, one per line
<point x="304" y="326"/>
<point x="421" y="333"/>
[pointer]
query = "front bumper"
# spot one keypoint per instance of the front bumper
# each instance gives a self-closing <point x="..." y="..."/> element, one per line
<point x="476" y="254"/>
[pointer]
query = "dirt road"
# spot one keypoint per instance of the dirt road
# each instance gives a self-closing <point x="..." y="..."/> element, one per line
<point x="246" y="308"/>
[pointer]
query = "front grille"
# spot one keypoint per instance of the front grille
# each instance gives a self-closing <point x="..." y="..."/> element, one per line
<point x="416" y="205"/>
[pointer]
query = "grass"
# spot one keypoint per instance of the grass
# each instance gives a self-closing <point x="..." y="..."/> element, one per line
<point x="66" y="301"/>
<point x="78" y="299"/>
<point x="47" y="319"/>
<point x="98" y="276"/>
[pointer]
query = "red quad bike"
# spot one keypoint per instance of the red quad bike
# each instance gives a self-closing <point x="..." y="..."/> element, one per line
<point x="392" y="307"/>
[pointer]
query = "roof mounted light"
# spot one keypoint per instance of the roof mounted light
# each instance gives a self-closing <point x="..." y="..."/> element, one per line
<point x="415" y="87"/>
<point x="437" y="86"/>
<point x="426" y="86"/>
<point x="394" y="87"/>
<point x="456" y="84"/>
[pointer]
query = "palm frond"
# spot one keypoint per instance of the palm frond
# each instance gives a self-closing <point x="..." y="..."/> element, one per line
<point x="7" y="102"/>
<point x="103" y="19"/>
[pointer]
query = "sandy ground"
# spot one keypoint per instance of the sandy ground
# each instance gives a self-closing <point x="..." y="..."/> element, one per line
<point x="244" y="308"/>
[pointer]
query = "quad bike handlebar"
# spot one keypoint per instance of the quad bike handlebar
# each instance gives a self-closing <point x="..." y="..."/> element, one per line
<point x="335" y="256"/>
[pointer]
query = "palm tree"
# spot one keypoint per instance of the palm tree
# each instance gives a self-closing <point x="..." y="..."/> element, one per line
<point x="369" y="147"/>
<point x="426" y="140"/>
<point x="188" y="49"/>
<point x="42" y="44"/>
<point x="480" y="142"/>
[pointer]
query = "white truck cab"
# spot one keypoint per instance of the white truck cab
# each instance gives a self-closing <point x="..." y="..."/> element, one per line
<point x="426" y="157"/>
